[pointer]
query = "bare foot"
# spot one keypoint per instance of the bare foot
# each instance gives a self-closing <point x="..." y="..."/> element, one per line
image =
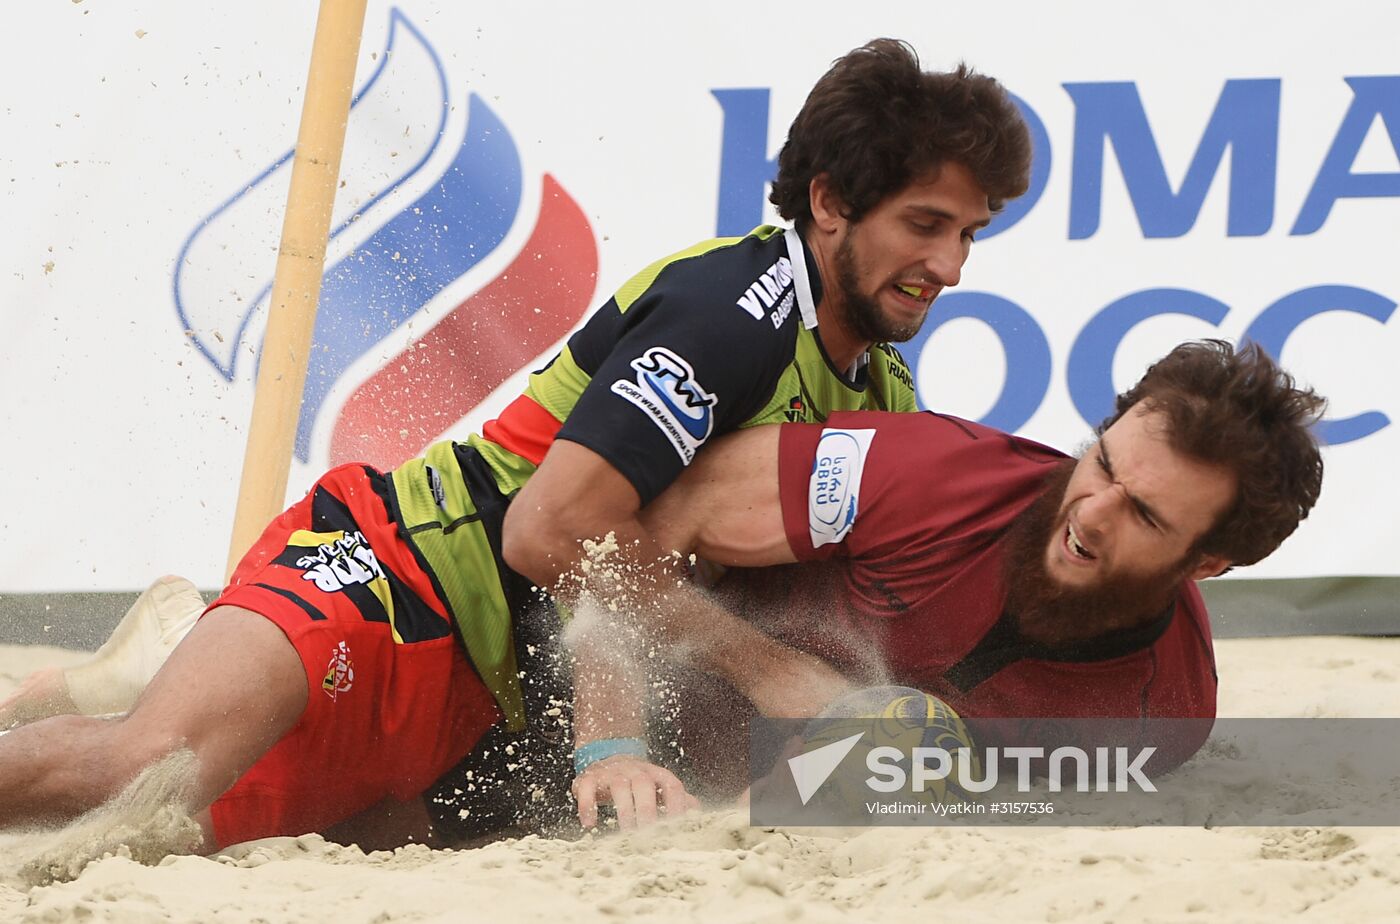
<point x="42" y="694"/>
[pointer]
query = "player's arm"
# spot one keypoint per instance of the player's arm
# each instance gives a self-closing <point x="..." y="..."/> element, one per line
<point x="725" y="507"/>
<point x="664" y="370"/>
<point x="576" y="493"/>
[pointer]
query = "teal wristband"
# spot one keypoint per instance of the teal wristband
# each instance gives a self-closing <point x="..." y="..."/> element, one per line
<point x="594" y="751"/>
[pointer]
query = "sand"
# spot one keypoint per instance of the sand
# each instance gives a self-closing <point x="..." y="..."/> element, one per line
<point x="715" y="867"/>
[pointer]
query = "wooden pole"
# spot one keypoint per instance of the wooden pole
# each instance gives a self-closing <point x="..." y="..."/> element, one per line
<point x="296" y="285"/>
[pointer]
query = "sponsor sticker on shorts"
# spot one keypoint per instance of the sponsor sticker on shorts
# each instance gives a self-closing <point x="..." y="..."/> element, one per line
<point x="833" y="492"/>
<point x="344" y="561"/>
<point x="340" y="673"/>
<point x="666" y="391"/>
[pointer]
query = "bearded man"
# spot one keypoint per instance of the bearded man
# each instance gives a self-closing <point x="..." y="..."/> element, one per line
<point x="998" y="574"/>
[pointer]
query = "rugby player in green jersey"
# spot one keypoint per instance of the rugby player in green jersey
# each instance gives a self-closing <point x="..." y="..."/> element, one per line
<point x="887" y="174"/>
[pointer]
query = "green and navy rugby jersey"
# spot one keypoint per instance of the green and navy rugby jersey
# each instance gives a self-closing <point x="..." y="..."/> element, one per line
<point x="703" y="342"/>
<point x="717" y="337"/>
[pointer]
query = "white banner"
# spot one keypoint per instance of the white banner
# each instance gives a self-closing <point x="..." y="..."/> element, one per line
<point x="1202" y="170"/>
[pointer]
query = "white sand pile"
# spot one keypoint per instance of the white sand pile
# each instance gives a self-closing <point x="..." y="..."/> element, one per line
<point x="146" y="822"/>
<point x="714" y="867"/>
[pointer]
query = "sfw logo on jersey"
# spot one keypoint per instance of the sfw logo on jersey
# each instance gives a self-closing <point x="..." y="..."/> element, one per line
<point x="767" y="292"/>
<point x="425" y="198"/>
<point x="667" y="391"/>
<point x="833" y="491"/>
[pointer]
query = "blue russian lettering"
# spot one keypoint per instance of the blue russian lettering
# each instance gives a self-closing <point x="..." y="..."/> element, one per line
<point x="1371" y="97"/>
<point x="1245" y="120"/>
<point x="1090" y="370"/>
<point x="745" y="169"/>
<point x="1027" y="353"/>
<point x="1277" y="322"/>
<point x="1017" y="209"/>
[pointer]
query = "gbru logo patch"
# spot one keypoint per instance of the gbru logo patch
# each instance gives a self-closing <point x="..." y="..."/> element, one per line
<point x="833" y="491"/>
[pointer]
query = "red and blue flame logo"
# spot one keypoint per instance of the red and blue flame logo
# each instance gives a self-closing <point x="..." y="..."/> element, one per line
<point x="398" y="263"/>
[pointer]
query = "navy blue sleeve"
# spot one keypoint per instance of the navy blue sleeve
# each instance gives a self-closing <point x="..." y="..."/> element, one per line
<point x="684" y="363"/>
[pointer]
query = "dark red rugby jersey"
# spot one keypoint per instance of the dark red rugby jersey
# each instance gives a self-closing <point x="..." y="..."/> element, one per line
<point x="913" y="510"/>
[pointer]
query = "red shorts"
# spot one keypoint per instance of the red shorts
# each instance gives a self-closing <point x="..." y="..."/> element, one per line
<point x="393" y="702"/>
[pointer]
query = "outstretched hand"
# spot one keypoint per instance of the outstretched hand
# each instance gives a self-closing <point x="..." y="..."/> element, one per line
<point x="638" y="791"/>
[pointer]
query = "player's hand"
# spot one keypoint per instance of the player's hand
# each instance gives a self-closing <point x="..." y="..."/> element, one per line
<point x="638" y="791"/>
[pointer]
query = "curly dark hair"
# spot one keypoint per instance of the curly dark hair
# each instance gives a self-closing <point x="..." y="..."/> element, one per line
<point x="1237" y="408"/>
<point x="875" y="121"/>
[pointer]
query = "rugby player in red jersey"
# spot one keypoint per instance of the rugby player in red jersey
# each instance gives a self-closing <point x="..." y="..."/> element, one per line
<point x="991" y="570"/>
<point x="1000" y="575"/>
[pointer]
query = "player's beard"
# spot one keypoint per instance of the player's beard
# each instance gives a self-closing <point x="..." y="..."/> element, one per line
<point x="860" y="312"/>
<point x="1049" y="612"/>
